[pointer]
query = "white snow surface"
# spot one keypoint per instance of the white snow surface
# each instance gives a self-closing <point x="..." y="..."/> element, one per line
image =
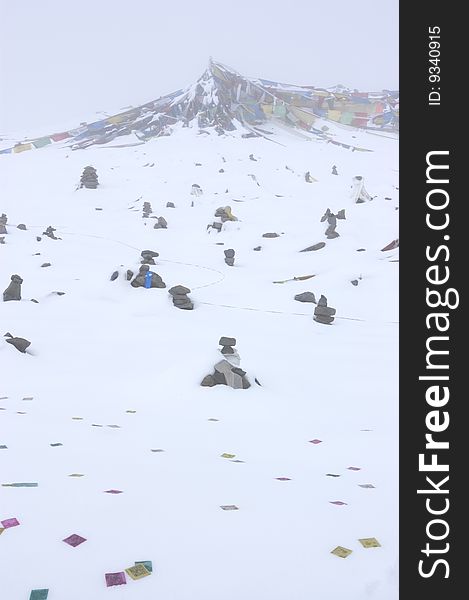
<point x="105" y="348"/>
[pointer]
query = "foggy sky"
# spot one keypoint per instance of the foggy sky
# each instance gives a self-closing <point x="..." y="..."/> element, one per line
<point x="61" y="61"/>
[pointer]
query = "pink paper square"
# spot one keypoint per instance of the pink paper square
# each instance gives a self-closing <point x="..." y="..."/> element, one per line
<point x="113" y="492"/>
<point x="10" y="523"/>
<point x="115" y="579"/>
<point x="74" y="540"/>
<point x="354" y="468"/>
<point x="315" y="441"/>
<point x="283" y="478"/>
<point x="338" y="502"/>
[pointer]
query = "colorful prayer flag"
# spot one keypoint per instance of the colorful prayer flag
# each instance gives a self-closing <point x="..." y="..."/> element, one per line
<point x="138" y="571"/>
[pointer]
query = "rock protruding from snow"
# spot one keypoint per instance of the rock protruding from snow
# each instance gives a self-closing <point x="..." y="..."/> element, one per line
<point x="227" y="371"/>
<point x="21" y="226"/>
<point x="180" y="297"/>
<point x="13" y="291"/>
<point x="196" y="190"/>
<point x="334" y="170"/>
<point x="322" y="313"/>
<point x="305" y="297"/>
<point x="50" y="232"/>
<point x="229" y="257"/>
<point x="314" y="247"/>
<point x="89" y="178"/>
<point x="147" y="279"/>
<point x="161" y="223"/>
<point x="225" y="214"/>
<point x="270" y="235"/>
<point x="21" y="344"/>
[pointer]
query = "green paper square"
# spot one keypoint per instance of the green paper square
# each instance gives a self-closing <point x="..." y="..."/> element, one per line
<point x="39" y="595"/>
<point x="146" y="563"/>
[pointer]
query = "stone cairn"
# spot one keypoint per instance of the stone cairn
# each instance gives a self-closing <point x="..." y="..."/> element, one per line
<point x="89" y="178"/>
<point x="224" y="214"/>
<point x="227" y="371"/>
<point x="13" y="291"/>
<point x="161" y="223"/>
<point x="229" y="257"/>
<point x="147" y="279"/>
<point x="148" y="257"/>
<point x="359" y="192"/>
<point x="334" y="170"/>
<point x="330" y="232"/>
<point x="3" y="222"/>
<point x="323" y="313"/>
<point x="146" y="210"/>
<point x="196" y="190"/>
<point x="21" y="344"/>
<point x="180" y="298"/>
<point x="49" y="232"/>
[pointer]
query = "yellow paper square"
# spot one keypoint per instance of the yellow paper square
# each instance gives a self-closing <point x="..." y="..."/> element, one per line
<point x="2" y="529"/>
<point x="341" y="552"/>
<point x="369" y="543"/>
<point x="226" y="455"/>
<point x="137" y="572"/>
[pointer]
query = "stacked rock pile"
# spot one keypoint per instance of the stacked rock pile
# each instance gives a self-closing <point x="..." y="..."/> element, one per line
<point x="196" y="190"/>
<point x="3" y="222"/>
<point x="89" y="178"/>
<point x="227" y="371"/>
<point x="161" y="223"/>
<point x="224" y="214"/>
<point x="147" y="279"/>
<point x="331" y="218"/>
<point x="359" y="193"/>
<point x="323" y="313"/>
<point x="13" y="291"/>
<point x="180" y="297"/>
<point x="229" y="257"/>
<point x="146" y="210"/>
<point x="148" y="257"/>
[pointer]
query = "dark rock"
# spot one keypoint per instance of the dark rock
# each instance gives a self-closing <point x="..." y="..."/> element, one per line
<point x="361" y="250"/>
<point x="22" y="226"/>
<point x="354" y="282"/>
<point x="227" y="341"/>
<point x="317" y="246"/>
<point x="161" y="223"/>
<point x="129" y="274"/>
<point x="46" y="264"/>
<point x="257" y="248"/>
<point x="322" y="301"/>
<point x="227" y="350"/>
<point x="219" y="378"/>
<point x="115" y="275"/>
<point x="229" y="253"/>
<point x="306" y="297"/>
<point x="13" y="291"/>
<point x="179" y="290"/>
<point x="270" y="235"/>
<point x="208" y="381"/>
<point x="324" y="311"/>
<point x="20" y="344"/>
<point x="38" y="238"/>
<point x="34" y="300"/>
<point x="238" y="371"/>
<point x="150" y="253"/>
<point x="334" y="170"/>
<point x="170" y="205"/>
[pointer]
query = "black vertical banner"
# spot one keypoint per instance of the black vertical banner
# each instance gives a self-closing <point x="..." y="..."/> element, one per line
<point x="432" y="396"/>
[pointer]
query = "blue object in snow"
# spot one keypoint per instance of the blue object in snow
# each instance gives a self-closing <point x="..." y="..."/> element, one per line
<point x="148" y="277"/>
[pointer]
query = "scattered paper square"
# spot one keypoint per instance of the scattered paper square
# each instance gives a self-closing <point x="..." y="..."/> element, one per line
<point x="338" y="502"/>
<point x="28" y="398"/>
<point x="341" y="552"/>
<point x="157" y="450"/>
<point x="115" y="579"/>
<point x="132" y="412"/>
<point x="113" y="492"/>
<point x="21" y="484"/>
<point x="369" y="543"/>
<point x="74" y="540"/>
<point x="77" y="418"/>
<point x="213" y="420"/>
<point x="283" y="478"/>
<point x="39" y="595"/>
<point x="366" y="485"/>
<point x="315" y="441"/>
<point x="229" y="507"/>
<point x="332" y="475"/>
<point x="354" y="468"/>
<point x="76" y="475"/>
<point x="138" y="571"/>
<point x="146" y="563"/>
<point x="56" y="444"/>
<point x="226" y="455"/>
<point x="95" y="425"/>
<point x="7" y="523"/>
<point x="2" y="529"/>
<point x="115" y="426"/>
<point x="237" y="461"/>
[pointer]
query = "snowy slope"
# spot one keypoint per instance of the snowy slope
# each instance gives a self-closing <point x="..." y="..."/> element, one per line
<point x="105" y="348"/>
